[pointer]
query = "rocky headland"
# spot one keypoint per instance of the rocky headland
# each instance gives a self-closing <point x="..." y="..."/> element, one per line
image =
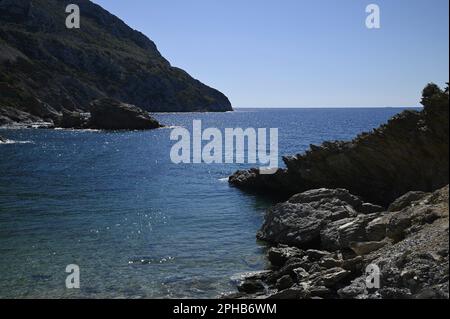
<point x="410" y="152"/>
<point x="47" y="70"/>
<point x="381" y="199"/>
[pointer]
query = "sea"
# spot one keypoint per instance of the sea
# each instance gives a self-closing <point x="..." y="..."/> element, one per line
<point x="136" y="224"/>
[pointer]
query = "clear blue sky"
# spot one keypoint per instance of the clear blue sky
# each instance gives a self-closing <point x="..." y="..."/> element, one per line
<point x="300" y="53"/>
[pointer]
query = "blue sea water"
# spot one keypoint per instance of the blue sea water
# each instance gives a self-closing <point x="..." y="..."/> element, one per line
<point x="138" y="225"/>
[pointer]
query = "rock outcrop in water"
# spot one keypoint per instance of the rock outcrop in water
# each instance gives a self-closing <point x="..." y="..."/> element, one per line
<point x="109" y="114"/>
<point x="2" y="139"/>
<point x="46" y="69"/>
<point x="409" y="153"/>
<point x="325" y="239"/>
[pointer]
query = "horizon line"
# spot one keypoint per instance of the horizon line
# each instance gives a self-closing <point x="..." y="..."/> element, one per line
<point x="326" y="107"/>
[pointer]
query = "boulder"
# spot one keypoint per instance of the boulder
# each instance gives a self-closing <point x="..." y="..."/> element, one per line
<point x="316" y="255"/>
<point x="418" y="214"/>
<point x="251" y="286"/>
<point x="376" y="229"/>
<point x="323" y="194"/>
<point x="330" y="277"/>
<point x="354" y="231"/>
<point x="299" y="221"/>
<point x="340" y="234"/>
<point x="251" y="283"/>
<point x="292" y="224"/>
<point x="288" y="269"/>
<point x="329" y="262"/>
<point x="301" y="274"/>
<point x="406" y="200"/>
<point x="353" y="265"/>
<point x="319" y="291"/>
<point x="291" y="293"/>
<point x="364" y="248"/>
<point x="278" y="256"/>
<point x="110" y="114"/>
<point x="329" y="235"/>
<point x="284" y="282"/>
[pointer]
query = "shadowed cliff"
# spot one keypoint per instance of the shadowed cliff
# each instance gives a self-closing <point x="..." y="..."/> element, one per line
<point x="408" y="153"/>
<point x="46" y="68"/>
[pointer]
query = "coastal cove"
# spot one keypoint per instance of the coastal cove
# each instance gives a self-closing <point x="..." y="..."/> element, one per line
<point x="138" y="225"/>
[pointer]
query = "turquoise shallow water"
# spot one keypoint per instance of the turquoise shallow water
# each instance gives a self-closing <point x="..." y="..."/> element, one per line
<point x="138" y="225"/>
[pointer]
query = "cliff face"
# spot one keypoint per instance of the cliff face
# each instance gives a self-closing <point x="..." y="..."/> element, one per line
<point x="410" y="152"/>
<point x="46" y="68"/>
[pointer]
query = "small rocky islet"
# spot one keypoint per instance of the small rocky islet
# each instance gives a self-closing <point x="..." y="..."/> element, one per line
<point x="381" y="199"/>
<point x="109" y="114"/>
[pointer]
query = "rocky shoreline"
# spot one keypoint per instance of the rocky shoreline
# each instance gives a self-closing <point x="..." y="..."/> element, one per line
<point x="377" y="203"/>
<point x="104" y="114"/>
<point x="324" y="240"/>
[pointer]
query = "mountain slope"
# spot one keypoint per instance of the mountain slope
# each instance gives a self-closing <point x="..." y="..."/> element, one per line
<point x="45" y="67"/>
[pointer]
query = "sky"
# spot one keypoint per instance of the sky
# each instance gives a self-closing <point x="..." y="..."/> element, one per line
<point x="300" y="53"/>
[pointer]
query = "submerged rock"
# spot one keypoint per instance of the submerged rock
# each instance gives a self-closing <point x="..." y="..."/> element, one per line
<point x="109" y="114"/>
